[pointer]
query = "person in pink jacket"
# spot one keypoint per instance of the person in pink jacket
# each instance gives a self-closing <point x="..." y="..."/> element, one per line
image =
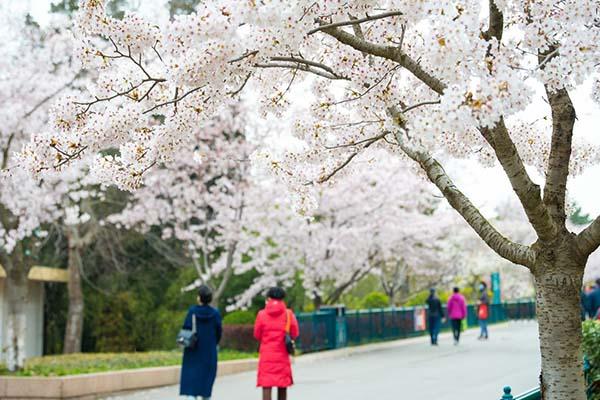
<point x="457" y="311"/>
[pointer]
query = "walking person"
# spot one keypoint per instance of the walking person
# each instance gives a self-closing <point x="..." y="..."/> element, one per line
<point x="457" y="311"/>
<point x="593" y="299"/>
<point x="483" y="311"/>
<point x="436" y="313"/>
<point x="199" y="368"/>
<point x="270" y="329"/>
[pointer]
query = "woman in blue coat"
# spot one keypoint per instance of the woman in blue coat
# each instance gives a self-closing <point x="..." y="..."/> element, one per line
<point x="199" y="368"/>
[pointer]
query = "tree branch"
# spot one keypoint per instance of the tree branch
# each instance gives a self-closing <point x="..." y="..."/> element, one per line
<point x="589" y="239"/>
<point x="175" y="100"/>
<point x="514" y="252"/>
<point x="388" y="52"/>
<point x="563" y="121"/>
<point x="496" y="23"/>
<point x="6" y="151"/>
<point x="527" y="191"/>
<point x="356" y="21"/>
<point x="302" y="66"/>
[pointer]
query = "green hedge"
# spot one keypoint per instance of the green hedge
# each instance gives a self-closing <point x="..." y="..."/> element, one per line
<point x="239" y="318"/>
<point x="591" y="349"/>
<point x="85" y="363"/>
<point x="376" y="300"/>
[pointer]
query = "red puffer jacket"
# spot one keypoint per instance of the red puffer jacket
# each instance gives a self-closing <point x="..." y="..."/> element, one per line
<point x="274" y="367"/>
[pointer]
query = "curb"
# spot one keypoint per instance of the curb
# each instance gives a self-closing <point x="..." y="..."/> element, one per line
<point x="97" y="385"/>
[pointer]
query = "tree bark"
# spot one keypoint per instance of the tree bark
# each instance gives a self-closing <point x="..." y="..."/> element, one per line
<point x="74" y="329"/>
<point x="17" y="295"/>
<point x="558" y="276"/>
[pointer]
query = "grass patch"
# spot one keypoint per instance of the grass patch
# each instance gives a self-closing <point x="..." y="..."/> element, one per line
<point x="86" y="363"/>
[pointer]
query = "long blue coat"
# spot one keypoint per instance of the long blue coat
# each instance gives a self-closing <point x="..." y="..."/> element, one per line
<point x="199" y="368"/>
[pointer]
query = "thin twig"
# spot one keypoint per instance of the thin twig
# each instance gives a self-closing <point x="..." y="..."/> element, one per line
<point x="175" y="100"/>
<point x="235" y="92"/>
<point x="306" y="62"/>
<point x="424" y="103"/>
<point x="368" y="18"/>
<point x="350" y="158"/>
<point x="302" y="67"/>
<point x="294" y="72"/>
<point x="245" y="55"/>
<point x="69" y="156"/>
<point x="368" y="140"/>
<point x="391" y="71"/>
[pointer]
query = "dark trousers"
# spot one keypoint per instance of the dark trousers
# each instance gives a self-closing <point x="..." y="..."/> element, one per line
<point x="456" y="328"/>
<point x="435" y="322"/>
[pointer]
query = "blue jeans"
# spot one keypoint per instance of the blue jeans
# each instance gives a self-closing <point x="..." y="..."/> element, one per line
<point x="435" y="323"/>
<point x="483" y="325"/>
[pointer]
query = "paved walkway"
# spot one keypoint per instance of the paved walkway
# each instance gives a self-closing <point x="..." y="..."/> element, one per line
<point x="409" y="369"/>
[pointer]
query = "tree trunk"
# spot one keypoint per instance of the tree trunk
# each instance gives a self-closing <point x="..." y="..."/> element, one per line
<point x="317" y="301"/>
<point x="74" y="329"/>
<point x="17" y="294"/>
<point x="226" y="275"/>
<point x="558" y="273"/>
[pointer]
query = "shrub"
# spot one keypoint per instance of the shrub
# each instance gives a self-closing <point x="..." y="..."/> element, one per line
<point x="420" y="298"/>
<point x="239" y="318"/>
<point x="239" y="338"/>
<point x="376" y="300"/>
<point x="73" y="364"/>
<point x="591" y="349"/>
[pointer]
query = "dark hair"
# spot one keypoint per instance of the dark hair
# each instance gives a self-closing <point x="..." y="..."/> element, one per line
<point x="598" y="282"/>
<point x="205" y="294"/>
<point x="456" y="290"/>
<point x="276" y="293"/>
<point x="484" y="284"/>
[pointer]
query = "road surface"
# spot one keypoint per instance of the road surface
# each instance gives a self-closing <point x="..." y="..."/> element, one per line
<point x="411" y="369"/>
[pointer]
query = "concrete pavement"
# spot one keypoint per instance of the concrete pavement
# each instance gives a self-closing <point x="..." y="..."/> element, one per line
<point x="412" y="369"/>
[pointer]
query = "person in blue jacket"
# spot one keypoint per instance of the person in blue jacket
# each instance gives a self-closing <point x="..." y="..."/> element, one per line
<point x="199" y="368"/>
<point x="593" y="299"/>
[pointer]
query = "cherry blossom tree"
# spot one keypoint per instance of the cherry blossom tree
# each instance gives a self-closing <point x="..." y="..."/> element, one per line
<point x="430" y="256"/>
<point x="358" y="225"/>
<point x="209" y="199"/>
<point x="35" y="68"/>
<point x="467" y="78"/>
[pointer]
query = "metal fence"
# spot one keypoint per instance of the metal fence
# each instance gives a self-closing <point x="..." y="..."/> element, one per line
<point x="317" y="331"/>
<point x="335" y="328"/>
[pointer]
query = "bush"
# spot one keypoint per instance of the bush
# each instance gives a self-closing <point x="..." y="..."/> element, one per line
<point x="239" y="338"/>
<point x="239" y="318"/>
<point x="420" y="298"/>
<point x="376" y="300"/>
<point x="591" y="349"/>
<point x="73" y="364"/>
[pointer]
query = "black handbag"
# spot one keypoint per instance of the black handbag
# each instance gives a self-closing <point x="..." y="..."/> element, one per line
<point x="290" y="344"/>
<point x="187" y="339"/>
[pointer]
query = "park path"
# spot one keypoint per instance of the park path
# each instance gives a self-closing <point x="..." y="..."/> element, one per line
<point x="410" y="369"/>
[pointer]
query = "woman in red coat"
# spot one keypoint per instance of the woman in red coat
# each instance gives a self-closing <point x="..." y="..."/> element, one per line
<point x="274" y="366"/>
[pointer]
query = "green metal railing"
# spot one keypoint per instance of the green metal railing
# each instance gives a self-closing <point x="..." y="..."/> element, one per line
<point x="317" y="331"/>
<point x="335" y="328"/>
<point x="533" y="394"/>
